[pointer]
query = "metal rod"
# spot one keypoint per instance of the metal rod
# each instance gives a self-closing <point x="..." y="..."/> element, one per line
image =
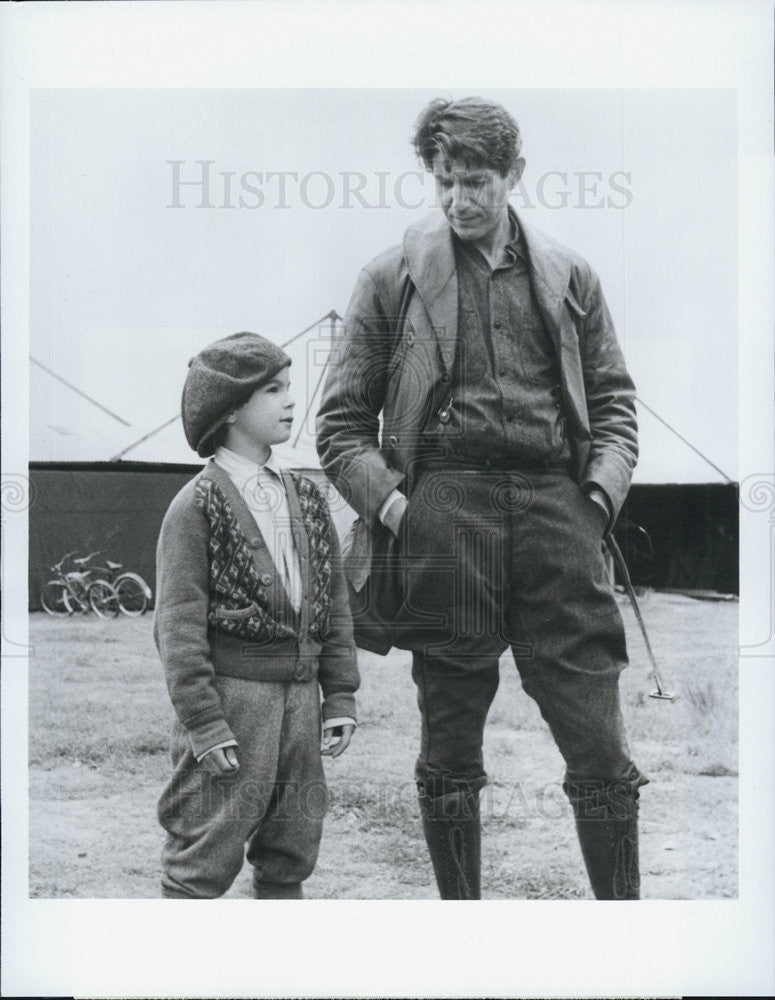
<point x="616" y="552"/>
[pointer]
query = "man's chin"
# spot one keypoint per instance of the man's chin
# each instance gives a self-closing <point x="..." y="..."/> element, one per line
<point x="467" y="233"/>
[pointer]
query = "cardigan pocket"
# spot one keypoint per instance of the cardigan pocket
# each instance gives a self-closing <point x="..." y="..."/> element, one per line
<point x="232" y="613"/>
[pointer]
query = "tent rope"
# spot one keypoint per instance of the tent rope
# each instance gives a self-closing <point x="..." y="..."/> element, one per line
<point x="682" y="438"/>
<point x="150" y="434"/>
<point x="79" y="392"/>
<point x="333" y="316"/>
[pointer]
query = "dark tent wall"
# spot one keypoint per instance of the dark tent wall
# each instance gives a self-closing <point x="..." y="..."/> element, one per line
<point x="693" y="531"/>
<point x="118" y="508"/>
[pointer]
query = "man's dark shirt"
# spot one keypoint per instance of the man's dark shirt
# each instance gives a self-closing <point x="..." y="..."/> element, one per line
<point x="505" y="387"/>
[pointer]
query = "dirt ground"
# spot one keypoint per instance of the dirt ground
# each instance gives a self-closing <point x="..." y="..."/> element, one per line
<point x="99" y="719"/>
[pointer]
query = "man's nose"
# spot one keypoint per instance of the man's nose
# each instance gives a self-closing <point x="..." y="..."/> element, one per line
<point x="460" y="195"/>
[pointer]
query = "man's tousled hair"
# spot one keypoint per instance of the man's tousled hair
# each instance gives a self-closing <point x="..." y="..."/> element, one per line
<point x="479" y="132"/>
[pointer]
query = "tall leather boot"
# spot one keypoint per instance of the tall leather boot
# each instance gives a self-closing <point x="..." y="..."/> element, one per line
<point x="607" y="825"/>
<point x="452" y="829"/>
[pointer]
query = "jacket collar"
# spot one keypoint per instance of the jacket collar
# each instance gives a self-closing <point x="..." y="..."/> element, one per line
<point x="430" y="259"/>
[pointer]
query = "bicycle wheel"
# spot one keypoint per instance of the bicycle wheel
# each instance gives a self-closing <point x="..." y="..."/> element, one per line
<point x="78" y="593"/>
<point x="103" y="599"/>
<point x="132" y="592"/>
<point x="55" y="600"/>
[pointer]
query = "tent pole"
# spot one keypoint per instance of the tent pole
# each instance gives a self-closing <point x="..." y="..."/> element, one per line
<point x="333" y="316"/>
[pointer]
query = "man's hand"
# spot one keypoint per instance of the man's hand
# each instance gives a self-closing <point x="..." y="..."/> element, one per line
<point x="395" y="514"/>
<point x="344" y="734"/>
<point x="223" y="760"/>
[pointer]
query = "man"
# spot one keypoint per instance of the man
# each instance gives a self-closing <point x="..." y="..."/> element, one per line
<point x="506" y="450"/>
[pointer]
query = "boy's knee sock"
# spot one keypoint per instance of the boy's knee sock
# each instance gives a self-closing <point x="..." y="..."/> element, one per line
<point x="276" y="890"/>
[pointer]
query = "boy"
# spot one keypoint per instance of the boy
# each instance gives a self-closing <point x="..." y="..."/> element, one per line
<point x="251" y="615"/>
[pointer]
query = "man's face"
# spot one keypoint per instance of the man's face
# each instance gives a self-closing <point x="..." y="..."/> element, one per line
<point x="474" y="199"/>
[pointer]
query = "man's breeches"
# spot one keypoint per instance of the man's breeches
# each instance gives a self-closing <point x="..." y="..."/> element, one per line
<point x="493" y="561"/>
<point x="270" y="810"/>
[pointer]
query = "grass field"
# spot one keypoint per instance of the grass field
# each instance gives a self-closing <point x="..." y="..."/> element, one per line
<point x="100" y="716"/>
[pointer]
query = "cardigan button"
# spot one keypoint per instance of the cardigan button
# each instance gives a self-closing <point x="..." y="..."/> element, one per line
<point x="255" y="541"/>
<point x="266" y="579"/>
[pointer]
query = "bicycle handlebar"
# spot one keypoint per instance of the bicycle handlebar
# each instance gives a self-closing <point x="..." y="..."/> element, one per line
<point x="84" y="559"/>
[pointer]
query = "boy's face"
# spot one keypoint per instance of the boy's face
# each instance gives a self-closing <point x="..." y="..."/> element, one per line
<point x="266" y="418"/>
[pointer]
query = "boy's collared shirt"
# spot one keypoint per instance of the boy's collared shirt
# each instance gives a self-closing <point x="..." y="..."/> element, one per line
<point x="262" y="489"/>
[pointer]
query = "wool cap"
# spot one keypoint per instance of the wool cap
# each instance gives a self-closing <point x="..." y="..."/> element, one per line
<point x="221" y="378"/>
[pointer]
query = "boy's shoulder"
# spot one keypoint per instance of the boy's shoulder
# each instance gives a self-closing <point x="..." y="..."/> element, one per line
<point x="184" y="503"/>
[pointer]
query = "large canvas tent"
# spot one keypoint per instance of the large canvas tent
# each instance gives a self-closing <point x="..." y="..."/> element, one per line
<point x="680" y="535"/>
<point x="192" y="222"/>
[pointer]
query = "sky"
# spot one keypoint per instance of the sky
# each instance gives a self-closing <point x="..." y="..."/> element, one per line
<point x="164" y="219"/>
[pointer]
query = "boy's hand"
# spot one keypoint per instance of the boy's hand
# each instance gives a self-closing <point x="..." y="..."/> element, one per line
<point x="344" y="734"/>
<point x="223" y="760"/>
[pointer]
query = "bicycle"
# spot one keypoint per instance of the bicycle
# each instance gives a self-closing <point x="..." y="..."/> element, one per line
<point x="132" y="592"/>
<point x="73" y="591"/>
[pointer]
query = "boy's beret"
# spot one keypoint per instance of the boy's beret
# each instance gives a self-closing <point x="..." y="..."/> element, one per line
<point x="221" y="378"/>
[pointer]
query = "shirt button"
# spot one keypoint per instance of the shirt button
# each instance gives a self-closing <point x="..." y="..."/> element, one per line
<point x="497" y="324"/>
<point x="266" y="579"/>
<point x="255" y="541"/>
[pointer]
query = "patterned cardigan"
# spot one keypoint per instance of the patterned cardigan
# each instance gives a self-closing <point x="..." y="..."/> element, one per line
<point x="221" y="607"/>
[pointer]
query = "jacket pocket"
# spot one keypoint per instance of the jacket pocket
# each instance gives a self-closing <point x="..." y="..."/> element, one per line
<point x="575" y="308"/>
<point x="232" y="613"/>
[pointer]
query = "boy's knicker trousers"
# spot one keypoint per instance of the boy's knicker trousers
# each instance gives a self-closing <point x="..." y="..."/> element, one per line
<point x="270" y="810"/>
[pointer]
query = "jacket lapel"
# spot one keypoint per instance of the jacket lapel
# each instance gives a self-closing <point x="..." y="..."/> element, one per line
<point x="551" y="272"/>
<point x="430" y="260"/>
<point x="551" y="275"/>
